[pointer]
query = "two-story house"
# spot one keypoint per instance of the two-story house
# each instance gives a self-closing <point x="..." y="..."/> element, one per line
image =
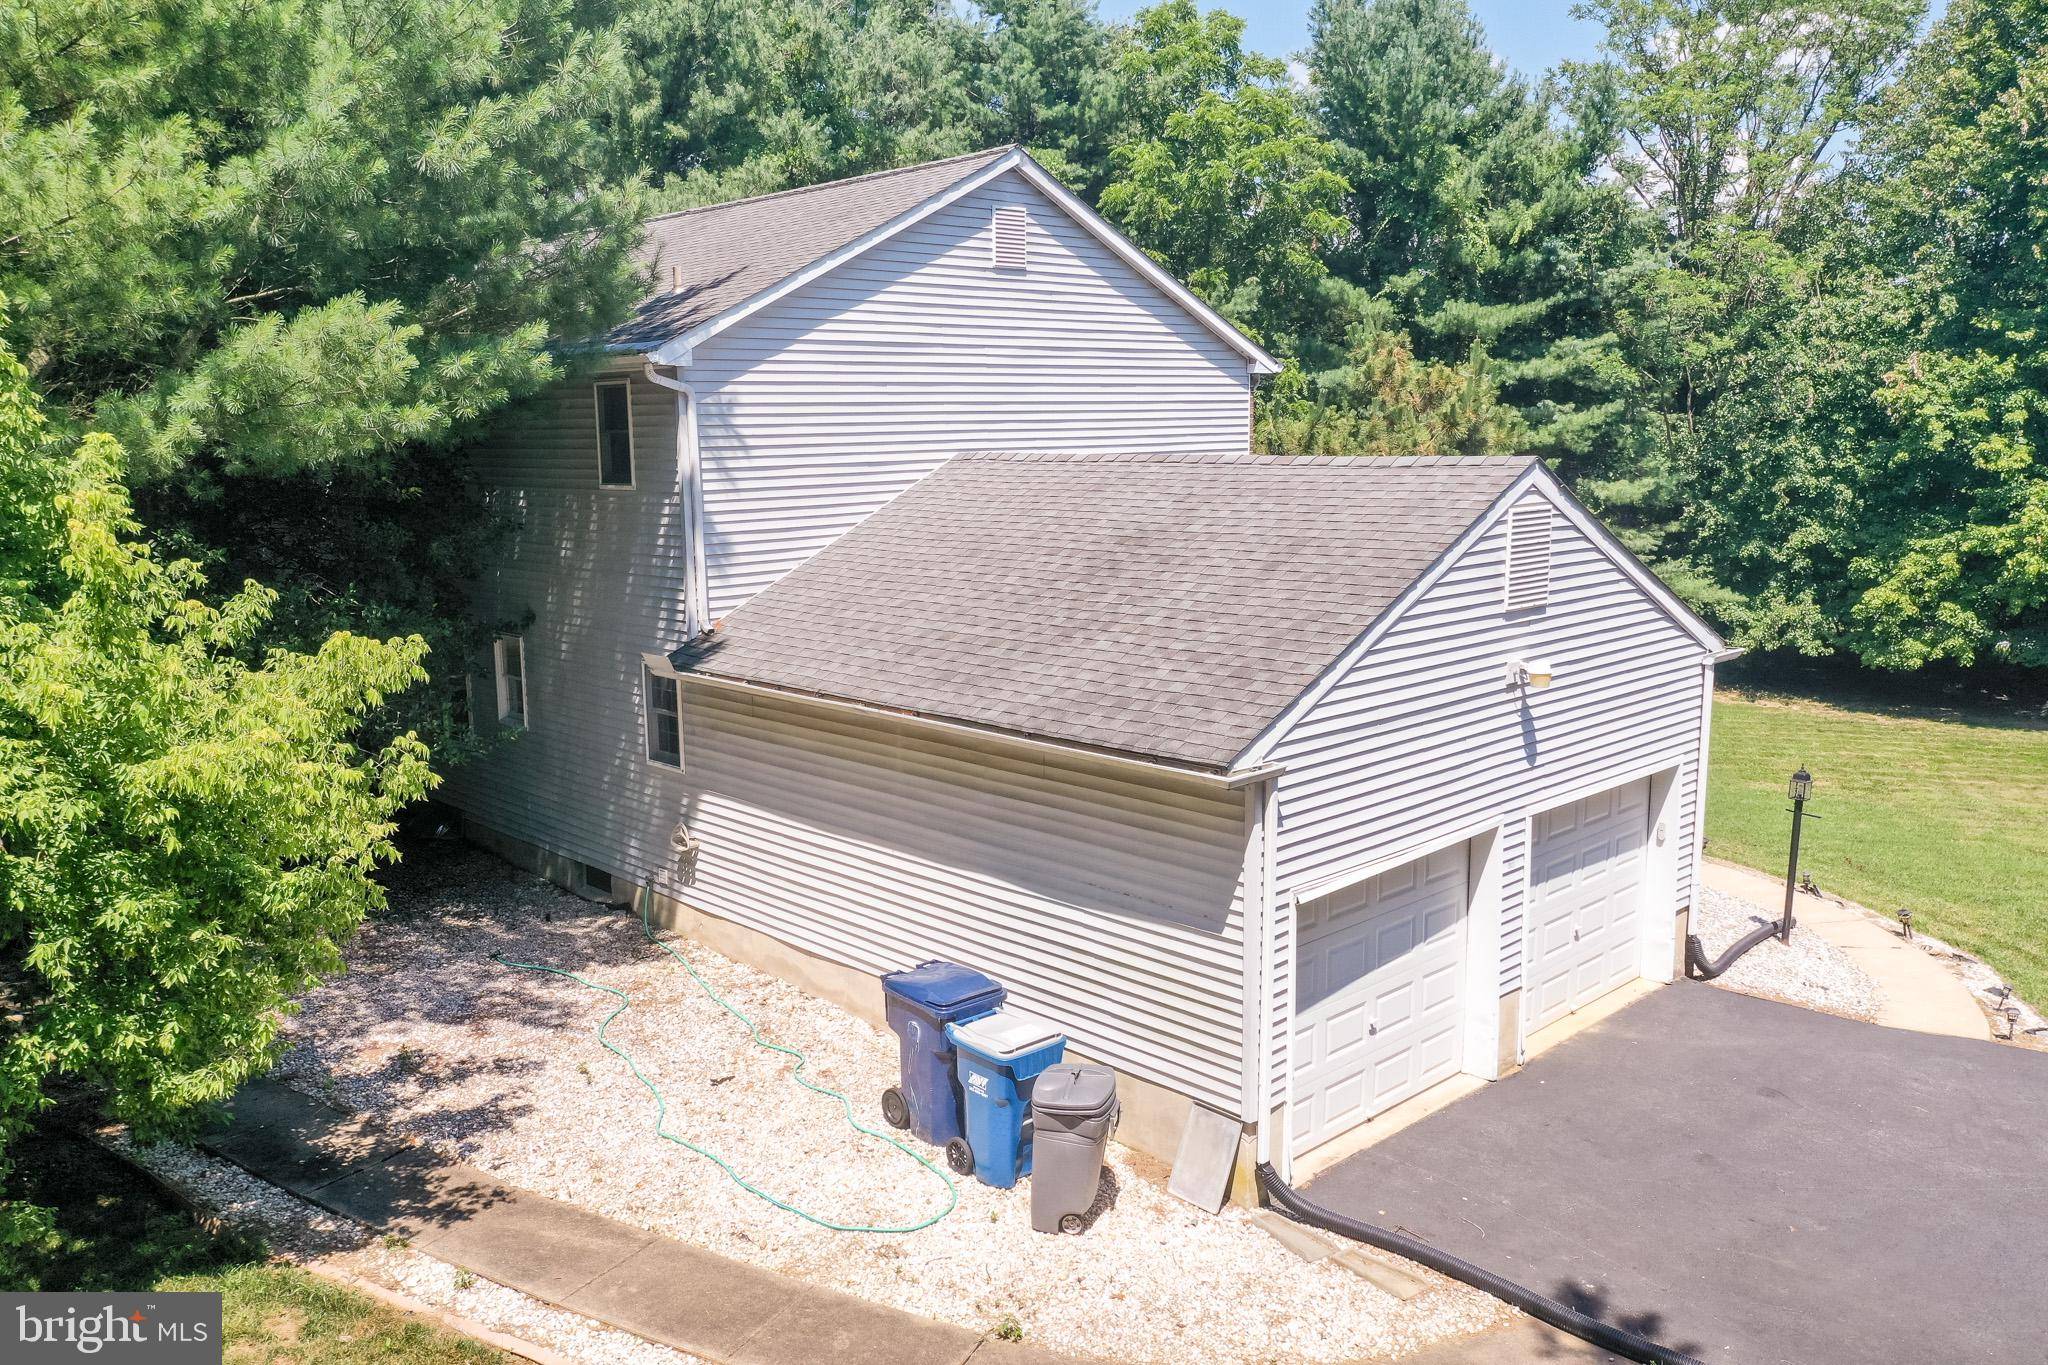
<point x="904" y="587"/>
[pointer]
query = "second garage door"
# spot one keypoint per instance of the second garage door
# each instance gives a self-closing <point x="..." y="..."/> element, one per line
<point x="1377" y="994"/>
<point x="1586" y="901"/>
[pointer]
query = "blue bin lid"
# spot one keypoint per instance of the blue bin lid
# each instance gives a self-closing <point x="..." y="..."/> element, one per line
<point x="941" y="987"/>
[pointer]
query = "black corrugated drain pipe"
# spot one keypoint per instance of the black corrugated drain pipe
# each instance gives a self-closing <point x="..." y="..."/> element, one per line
<point x="1619" y="1340"/>
<point x="1697" y="966"/>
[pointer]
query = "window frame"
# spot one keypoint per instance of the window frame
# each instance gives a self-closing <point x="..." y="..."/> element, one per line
<point x="649" y="675"/>
<point x="597" y="389"/>
<point x="499" y="674"/>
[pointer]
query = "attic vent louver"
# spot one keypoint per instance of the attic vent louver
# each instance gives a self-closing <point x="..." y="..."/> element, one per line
<point x="1010" y="237"/>
<point x="1528" y="585"/>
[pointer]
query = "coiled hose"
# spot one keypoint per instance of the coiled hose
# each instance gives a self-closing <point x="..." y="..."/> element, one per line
<point x="1608" y="1337"/>
<point x="753" y="1032"/>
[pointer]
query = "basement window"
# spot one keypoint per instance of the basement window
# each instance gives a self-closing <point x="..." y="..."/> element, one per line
<point x="509" y="658"/>
<point x="663" y="718"/>
<point x="1528" y="572"/>
<point x="593" y="881"/>
<point x="1010" y="238"/>
<point x="615" y="435"/>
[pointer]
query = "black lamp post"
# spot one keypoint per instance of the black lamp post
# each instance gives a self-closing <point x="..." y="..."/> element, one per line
<point x="1800" y="787"/>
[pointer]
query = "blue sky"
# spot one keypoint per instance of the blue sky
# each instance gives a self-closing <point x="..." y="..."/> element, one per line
<point x="1533" y="35"/>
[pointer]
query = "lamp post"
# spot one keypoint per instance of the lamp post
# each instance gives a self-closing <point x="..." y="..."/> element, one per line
<point x="1800" y="787"/>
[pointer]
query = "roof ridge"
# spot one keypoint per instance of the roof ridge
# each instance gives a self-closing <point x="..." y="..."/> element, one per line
<point x="1221" y="457"/>
<point x="988" y="152"/>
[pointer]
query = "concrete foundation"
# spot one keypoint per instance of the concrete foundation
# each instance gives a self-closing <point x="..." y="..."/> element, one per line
<point x="1153" y="1115"/>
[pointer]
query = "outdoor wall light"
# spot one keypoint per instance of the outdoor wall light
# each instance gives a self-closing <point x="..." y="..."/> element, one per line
<point x="1529" y="673"/>
<point x="1801" y="785"/>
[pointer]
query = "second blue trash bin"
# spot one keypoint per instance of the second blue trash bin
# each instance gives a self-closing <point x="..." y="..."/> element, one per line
<point x="919" y="1004"/>
<point x="1001" y="1055"/>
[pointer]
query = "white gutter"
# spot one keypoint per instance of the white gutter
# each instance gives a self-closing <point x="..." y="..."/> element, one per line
<point x="690" y="488"/>
<point x="1224" y="781"/>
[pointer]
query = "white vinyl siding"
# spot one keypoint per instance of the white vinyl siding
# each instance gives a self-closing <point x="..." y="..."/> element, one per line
<point x="827" y="403"/>
<point x="1102" y="899"/>
<point x="615" y="434"/>
<point x="1420" y="738"/>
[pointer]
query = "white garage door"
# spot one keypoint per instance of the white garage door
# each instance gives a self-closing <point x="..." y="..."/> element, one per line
<point x="1376" y="994"/>
<point x="1586" y="901"/>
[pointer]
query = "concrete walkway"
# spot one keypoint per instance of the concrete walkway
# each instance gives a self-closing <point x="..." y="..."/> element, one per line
<point x="652" y="1286"/>
<point x="1914" y="990"/>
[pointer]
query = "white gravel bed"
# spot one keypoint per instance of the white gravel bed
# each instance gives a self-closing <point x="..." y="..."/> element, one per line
<point x="503" y="1069"/>
<point x="306" y="1234"/>
<point x="1809" y="971"/>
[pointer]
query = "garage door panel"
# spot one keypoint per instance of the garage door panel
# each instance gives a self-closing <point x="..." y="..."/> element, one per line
<point x="1378" y="994"/>
<point x="1585" y="899"/>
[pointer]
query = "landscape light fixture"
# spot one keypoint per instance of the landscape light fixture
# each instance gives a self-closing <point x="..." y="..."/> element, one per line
<point x="1799" y="789"/>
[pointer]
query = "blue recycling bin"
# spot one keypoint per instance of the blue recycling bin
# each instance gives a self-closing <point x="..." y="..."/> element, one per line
<point x="919" y="1004"/>
<point x="1001" y="1055"/>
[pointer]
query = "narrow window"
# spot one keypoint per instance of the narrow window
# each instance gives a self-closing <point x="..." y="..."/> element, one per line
<point x="664" y="719"/>
<point x="615" y="435"/>
<point x="1528" y="575"/>
<point x="511" y="660"/>
<point x="1010" y="238"/>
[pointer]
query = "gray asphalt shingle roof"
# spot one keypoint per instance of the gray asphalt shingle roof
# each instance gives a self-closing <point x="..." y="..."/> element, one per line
<point x="727" y="253"/>
<point x="1170" y="606"/>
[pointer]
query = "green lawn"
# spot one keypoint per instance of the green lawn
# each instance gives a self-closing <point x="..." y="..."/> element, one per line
<point x="115" y="1230"/>
<point x="1942" y="812"/>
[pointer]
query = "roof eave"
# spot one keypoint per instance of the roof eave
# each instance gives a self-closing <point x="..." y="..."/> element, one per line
<point x="1226" y="778"/>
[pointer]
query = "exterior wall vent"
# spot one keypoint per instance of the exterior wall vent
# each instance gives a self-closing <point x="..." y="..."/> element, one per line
<point x="1010" y="238"/>
<point x="1528" y="576"/>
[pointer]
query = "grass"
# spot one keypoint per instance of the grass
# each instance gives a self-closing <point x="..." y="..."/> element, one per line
<point x="1942" y="811"/>
<point x="117" y="1231"/>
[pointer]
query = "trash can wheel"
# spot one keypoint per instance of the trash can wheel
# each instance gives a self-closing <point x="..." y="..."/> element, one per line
<point x="895" y="1109"/>
<point x="960" y="1156"/>
<point x="1070" y="1222"/>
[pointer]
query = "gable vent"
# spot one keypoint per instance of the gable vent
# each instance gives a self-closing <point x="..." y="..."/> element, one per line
<point x="1010" y="237"/>
<point x="1528" y="576"/>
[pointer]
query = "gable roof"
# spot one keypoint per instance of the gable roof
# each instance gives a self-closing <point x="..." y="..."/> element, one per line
<point x="712" y="266"/>
<point x="1170" y="606"/>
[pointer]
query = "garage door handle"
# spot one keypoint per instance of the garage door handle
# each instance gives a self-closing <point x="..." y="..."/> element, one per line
<point x="1371" y="1029"/>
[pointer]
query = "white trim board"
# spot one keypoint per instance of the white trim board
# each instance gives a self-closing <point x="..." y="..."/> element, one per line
<point x="680" y="349"/>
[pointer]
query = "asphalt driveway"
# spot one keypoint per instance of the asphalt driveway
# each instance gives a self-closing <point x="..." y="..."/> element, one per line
<point x="1747" y="1181"/>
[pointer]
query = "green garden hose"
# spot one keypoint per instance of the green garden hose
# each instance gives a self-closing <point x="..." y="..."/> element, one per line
<point x="754" y="1032"/>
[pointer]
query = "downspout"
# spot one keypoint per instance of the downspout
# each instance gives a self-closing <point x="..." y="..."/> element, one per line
<point x="1266" y="794"/>
<point x="690" y="488"/>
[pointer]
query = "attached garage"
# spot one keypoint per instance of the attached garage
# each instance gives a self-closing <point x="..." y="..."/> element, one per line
<point x="1587" y="888"/>
<point x="1291" y="788"/>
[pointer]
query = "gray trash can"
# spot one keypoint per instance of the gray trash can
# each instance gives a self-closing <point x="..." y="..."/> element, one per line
<point x="1073" y="1112"/>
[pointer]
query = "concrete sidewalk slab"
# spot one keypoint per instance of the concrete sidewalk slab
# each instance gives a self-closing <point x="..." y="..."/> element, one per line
<point x="1520" y="1343"/>
<point x="299" y="1142"/>
<point x="546" y="1247"/>
<point x="652" y="1286"/>
<point x="640" y="1295"/>
<point x="1915" y="991"/>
